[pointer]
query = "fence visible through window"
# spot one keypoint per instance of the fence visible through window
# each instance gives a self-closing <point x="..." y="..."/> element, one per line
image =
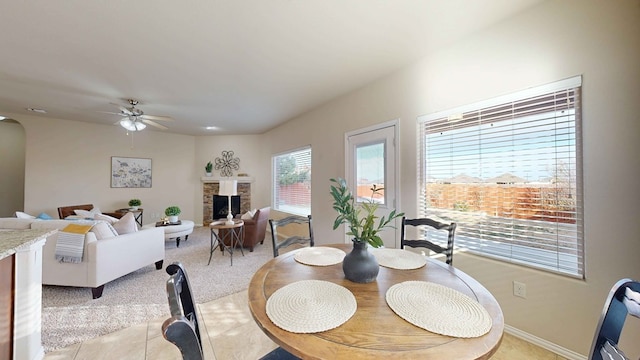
<point x="509" y="172"/>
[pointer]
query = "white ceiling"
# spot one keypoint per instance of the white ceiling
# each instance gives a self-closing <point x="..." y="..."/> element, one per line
<point x="242" y="65"/>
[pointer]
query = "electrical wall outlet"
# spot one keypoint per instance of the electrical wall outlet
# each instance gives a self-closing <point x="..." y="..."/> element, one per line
<point x="519" y="289"/>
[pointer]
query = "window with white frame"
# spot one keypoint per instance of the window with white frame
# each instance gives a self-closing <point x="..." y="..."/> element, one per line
<point x="291" y="190"/>
<point x="508" y="171"/>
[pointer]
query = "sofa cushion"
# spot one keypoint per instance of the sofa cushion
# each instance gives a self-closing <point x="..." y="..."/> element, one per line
<point x="23" y="215"/>
<point x="56" y="224"/>
<point x="103" y="230"/>
<point x="126" y="224"/>
<point x="110" y="219"/>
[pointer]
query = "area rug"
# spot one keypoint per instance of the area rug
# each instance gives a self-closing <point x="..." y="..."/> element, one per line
<point x="70" y="315"/>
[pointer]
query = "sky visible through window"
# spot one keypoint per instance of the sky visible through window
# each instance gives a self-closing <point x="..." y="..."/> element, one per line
<point x="370" y="164"/>
<point x="533" y="148"/>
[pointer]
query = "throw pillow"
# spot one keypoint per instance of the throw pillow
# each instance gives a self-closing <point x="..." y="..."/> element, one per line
<point x="87" y="214"/>
<point x="22" y="215"/>
<point x="110" y="219"/>
<point x="126" y="224"/>
<point x="249" y="214"/>
<point x="44" y="216"/>
<point x="103" y="230"/>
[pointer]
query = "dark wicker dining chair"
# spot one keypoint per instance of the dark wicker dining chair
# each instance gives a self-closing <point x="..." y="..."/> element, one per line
<point x="278" y="244"/>
<point x="429" y="226"/>
<point x="181" y="328"/>
<point x="623" y="300"/>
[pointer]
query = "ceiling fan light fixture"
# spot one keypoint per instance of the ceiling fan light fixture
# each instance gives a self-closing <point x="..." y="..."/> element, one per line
<point x="127" y="124"/>
<point x="132" y="125"/>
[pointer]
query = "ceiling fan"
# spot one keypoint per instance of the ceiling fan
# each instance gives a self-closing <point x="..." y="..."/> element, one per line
<point x="135" y="119"/>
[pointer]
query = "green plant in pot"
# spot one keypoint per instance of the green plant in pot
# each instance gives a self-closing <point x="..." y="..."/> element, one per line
<point x="172" y="212"/>
<point x="134" y="203"/>
<point x="364" y="225"/>
<point x="208" y="168"/>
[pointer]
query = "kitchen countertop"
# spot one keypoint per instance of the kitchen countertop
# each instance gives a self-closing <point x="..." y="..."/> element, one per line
<point x="13" y="240"/>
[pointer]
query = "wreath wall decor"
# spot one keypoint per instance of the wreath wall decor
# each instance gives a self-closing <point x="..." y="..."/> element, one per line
<point x="227" y="163"/>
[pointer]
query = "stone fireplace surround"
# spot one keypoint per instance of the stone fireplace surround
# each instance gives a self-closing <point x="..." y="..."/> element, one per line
<point x="211" y="186"/>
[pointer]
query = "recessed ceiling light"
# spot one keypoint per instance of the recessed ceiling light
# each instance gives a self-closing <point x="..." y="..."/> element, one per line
<point x="211" y="128"/>
<point x="40" y="111"/>
<point x="2" y="117"/>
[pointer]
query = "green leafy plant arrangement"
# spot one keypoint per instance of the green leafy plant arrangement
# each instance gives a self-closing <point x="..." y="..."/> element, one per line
<point x="135" y="202"/>
<point x="208" y="167"/>
<point x="361" y="217"/>
<point x="172" y="211"/>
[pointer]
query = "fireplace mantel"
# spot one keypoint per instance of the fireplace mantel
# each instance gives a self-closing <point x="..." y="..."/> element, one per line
<point x="214" y="179"/>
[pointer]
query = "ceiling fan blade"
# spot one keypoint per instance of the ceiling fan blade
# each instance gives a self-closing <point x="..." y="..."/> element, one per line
<point x="156" y="117"/>
<point x="112" y="113"/>
<point x="149" y="122"/>
<point x="123" y="109"/>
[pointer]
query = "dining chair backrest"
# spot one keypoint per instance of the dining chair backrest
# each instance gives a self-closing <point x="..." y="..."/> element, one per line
<point x="623" y="300"/>
<point x="430" y="224"/>
<point x="181" y="328"/>
<point x="287" y="241"/>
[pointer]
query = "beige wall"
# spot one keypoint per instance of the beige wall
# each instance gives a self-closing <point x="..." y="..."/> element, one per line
<point x="12" y="154"/>
<point x="253" y="161"/>
<point x="553" y="41"/>
<point x="69" y="162"/>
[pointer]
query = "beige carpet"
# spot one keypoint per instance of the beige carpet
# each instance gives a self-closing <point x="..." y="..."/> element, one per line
<point x="70" y="315"/>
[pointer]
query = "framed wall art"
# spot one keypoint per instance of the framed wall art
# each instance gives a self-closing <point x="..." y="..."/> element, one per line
<point x="129" y="172"/>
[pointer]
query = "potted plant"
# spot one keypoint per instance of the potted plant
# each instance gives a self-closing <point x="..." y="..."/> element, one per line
<point x="134" y="203"/>
<point x="172" y="212"/>
<point x="208" y="168"/>
<point x="359" y="265"/>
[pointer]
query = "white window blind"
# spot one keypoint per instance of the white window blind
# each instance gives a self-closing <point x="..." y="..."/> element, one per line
<point x="508" y="171"/>
<point x="292" y="182"/>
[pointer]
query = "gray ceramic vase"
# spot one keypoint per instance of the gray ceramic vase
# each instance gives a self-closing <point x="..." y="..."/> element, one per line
<point x="360" y="265"/>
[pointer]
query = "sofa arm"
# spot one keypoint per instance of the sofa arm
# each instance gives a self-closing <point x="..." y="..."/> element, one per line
<point x="120" y="255"/>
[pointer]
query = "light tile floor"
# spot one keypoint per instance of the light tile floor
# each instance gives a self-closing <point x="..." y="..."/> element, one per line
<point x="231" y="334"/>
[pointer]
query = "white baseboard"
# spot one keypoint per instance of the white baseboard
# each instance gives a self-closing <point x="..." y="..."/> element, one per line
<point x="554" y="348"/>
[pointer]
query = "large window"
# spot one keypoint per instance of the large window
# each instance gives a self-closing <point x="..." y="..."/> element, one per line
<point x="508" y="171"/>
<point x="292" y="182"/>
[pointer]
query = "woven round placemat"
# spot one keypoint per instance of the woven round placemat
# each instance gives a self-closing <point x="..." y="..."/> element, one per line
<point x="311" y="306"/>
<point x="320" y="256"/>
<point x="398" y="258"/>
<point x="439" y="309"/>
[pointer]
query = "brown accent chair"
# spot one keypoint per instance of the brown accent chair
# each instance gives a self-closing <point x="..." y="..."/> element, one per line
<point x="254" y="229"/>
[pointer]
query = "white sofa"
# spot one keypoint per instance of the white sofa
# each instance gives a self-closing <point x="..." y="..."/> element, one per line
<point x="103" y="260"/>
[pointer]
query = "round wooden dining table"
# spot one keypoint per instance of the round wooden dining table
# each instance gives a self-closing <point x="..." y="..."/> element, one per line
<point x="374" y="331"/>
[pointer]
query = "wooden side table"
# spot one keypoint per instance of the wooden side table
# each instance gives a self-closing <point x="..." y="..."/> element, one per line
<point x="122" y="212"/>
<point x="234" y="236"/>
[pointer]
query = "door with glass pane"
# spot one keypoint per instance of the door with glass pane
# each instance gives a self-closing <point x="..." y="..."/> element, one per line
<point x="371" y="160"/>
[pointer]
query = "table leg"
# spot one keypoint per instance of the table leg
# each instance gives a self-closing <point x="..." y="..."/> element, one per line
<point x="139" y="218"/>
<point x="220" y="240"/>
<point x="215" y="242"/>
